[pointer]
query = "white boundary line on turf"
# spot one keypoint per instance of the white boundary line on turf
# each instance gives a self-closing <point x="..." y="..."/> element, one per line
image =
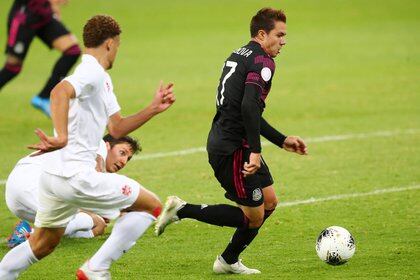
<point x="320" y="139"/>
<point x="334" y="197"/>
<point x="349" y="195"/>
<point x="328" y="138"/>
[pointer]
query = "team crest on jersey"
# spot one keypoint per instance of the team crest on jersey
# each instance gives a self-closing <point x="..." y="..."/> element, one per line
<point x="266" y="74"/>
<point x="256" y="194"/>
<point x="126" y="190"/>
<point x="108" y="87"/>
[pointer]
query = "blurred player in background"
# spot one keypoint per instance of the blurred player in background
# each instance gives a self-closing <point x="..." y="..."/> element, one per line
<point x="23" y="184"/>
<point x="83" y="105"/>
<point x="234" y="147"/>
<point x="38" y="18"/>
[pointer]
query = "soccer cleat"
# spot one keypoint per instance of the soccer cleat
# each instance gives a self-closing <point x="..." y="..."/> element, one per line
<point x="85" y="273"/>
<point x="168" y="215"/>
<point x="221" y="267"/>
<point x="20" y="234"/>
<point x="42" y="104"/>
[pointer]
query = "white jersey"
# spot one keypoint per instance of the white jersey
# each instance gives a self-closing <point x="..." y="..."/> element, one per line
<point x="23" y="184"/>
<point x="89" y="113"/>
<point x="102" y="151"/>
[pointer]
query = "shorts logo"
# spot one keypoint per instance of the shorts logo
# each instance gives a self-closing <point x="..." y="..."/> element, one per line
<point x="19" y="48"/>
<point x="256" y="194"/>
<point x="126" y="190"/>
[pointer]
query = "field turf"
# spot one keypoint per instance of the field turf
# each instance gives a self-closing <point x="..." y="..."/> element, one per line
<point x="347" y="81"/>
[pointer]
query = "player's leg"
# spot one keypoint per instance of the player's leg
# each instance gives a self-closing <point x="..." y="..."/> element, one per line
<point x="52" y="217"/>
<point x="270" y="201"/>
<point x="10" y="70"/>
<point x="85" y="225"/>
<point x="56" y="36"/>
<point x="127" y="229"/>
<point x="19" y="39"/>
<point x="141" y="209"/>
<point x="257" y="214"/>
<point x="227" y="171"/>
<point x="41" y="243"/>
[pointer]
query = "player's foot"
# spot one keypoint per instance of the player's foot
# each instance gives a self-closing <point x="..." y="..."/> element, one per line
<point x="221" y="267"/>
<point x="20" y="234"/>
<point x="168" y="215"/>
<point x="42" y="104"/>
<point x="85" y="273"/>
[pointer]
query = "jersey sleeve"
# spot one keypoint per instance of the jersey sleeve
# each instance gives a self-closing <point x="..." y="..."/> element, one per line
<point x="84" y="79"/>
<point x="111" y="101"/>
<point x="260" y="70"/>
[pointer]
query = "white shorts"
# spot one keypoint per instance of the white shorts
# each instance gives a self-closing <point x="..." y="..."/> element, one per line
<point x="102" y="193"/>
<point x="22" y="191"/>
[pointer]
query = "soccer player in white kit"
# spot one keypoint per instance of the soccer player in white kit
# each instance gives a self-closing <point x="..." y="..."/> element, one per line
<point x="82" y="106"/>
<point x="22" y="186"/>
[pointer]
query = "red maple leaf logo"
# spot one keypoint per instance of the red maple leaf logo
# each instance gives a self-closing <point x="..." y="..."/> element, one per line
<point x="126" y="190"/>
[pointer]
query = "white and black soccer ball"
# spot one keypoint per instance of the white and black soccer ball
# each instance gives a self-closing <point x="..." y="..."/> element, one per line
<point x="335" y="245"/>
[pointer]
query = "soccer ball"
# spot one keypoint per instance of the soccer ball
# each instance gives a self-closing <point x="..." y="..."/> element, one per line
<point x="335" y="245"/>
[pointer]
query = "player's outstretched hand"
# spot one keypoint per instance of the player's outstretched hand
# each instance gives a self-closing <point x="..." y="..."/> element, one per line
<point x="47" y="144"/>
<point x="296" y="145"/>
<point x="164" y="97"/>
<point x="253" y="165"/>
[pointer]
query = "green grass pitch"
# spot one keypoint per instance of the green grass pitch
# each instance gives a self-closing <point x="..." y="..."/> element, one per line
<point x="349" y="68"/>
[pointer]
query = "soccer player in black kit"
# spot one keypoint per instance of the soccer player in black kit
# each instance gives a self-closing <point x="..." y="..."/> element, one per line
<point x="38" y="18"/>
<point x="234" y="147"/>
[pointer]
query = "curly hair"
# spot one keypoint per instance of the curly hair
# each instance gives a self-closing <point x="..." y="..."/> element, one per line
<point x="265" y="20"/>
<point x="98" y="29"/>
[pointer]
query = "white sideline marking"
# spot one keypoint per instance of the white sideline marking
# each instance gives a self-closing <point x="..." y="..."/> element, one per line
<point x="332" y="197"/>
<point x="320" y="139"/>
<point x="349" y="195"/>
<point x="328" y="138"/>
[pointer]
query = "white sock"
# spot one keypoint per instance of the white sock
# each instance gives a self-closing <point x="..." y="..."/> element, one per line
<point x="124" y="235"/>
<point x="80" y="222"/>
<point x="82" y="234"/>
<point x="17" y="260"/>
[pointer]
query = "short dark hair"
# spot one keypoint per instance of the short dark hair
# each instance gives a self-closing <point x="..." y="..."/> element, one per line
<point x="134" y="144"/>
<point x="265" y="20"/>
<point x="98" y="29"/>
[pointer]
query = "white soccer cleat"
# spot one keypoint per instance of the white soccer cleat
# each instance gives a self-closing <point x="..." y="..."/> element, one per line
<point x="221" y="267"/>
<point x="168" y="215"/>
<point x="85" y="273"/>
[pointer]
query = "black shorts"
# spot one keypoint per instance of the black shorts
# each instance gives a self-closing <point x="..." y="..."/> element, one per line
<point x="245" y="191"/>
<point x="24" y="25"/>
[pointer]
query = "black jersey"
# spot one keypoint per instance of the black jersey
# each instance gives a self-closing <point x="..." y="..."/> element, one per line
<point x="247" y="65"/>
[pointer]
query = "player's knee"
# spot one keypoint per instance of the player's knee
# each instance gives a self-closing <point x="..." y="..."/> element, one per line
<point x="256" y="221"/>
<point x="73" y="51"/>
<point x="271" y="204"/>
<point x="98" y="230"/>
<point x="13" y="65"/>
<point x="99" y="225"/>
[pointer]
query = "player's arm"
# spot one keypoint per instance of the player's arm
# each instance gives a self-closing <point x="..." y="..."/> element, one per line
<point x="271" y="134"/>
<point x="60" y="98"/>
<point x="251" y="114"/>
<point x="119" y="126"/>
<point x="100" y="164"/>
<point x="289" y="143"/>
